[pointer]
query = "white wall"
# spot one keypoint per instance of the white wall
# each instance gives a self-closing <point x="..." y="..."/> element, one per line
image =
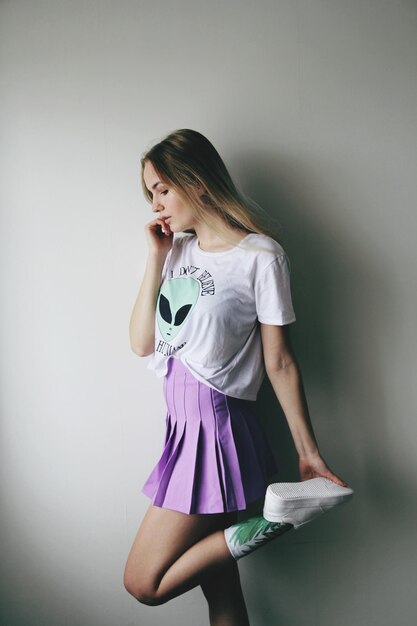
<point x="312" y="104"/>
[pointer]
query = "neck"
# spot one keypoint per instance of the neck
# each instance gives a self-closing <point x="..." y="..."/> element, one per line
<point x="209" y="240"/>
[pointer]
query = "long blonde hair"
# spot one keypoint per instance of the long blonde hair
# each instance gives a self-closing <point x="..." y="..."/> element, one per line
<point x="186" y="158"/>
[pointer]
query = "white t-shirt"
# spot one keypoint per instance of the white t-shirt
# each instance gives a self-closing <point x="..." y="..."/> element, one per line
<point x="209" y="305"/>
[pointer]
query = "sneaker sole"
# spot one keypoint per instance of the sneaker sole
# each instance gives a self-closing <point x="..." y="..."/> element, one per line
<point x="291" y="502"/>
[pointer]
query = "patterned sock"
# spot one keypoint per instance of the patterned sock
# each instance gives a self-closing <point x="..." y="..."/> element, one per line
<point x="244" y="537"/>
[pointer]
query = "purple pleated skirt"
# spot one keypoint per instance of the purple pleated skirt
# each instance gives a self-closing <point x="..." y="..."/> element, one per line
<point x="216" y="457"/>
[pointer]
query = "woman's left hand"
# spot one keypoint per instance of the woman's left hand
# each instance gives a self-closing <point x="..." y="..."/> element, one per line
<point x="313" y="466"/>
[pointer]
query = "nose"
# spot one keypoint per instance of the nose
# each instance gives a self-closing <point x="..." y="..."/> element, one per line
<point x="156" y="206"/>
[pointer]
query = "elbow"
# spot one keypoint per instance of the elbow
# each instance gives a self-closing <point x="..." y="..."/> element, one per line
<point x="143" y="347"/>
<point x="280" y="364"/>
<point x="140" y="351"/>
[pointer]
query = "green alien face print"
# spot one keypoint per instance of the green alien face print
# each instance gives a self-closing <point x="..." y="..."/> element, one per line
<point x="176" y="300"/>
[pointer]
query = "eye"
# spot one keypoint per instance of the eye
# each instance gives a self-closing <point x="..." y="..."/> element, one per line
<point x="162" y="193"/>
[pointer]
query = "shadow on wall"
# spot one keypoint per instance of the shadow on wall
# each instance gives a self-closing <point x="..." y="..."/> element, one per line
<point x="334" y="287"/>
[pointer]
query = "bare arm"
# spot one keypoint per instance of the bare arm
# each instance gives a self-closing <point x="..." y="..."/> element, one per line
<point x="142" y="321"/>
<point x="285" y="377"/>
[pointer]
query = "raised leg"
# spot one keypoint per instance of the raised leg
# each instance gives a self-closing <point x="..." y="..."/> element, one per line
<point x="174" y="552"/>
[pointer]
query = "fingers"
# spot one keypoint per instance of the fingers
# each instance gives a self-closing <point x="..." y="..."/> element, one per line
<point x="337" y="480"/>
<point x="165" y="227"/>
<point x="159" y="222"/>
<point x="308" y="474"/>
<point x="317" y="468"/>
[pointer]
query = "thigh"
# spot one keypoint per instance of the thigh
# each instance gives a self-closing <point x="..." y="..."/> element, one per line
<point x="163" y="536"/>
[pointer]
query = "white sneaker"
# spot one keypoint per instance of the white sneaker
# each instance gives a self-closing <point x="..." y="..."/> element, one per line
<point x="299" y="503"/>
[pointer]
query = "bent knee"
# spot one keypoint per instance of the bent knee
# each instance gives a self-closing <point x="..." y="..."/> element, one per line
<point x="142" y="590"/>
<point x="142" y="593"/>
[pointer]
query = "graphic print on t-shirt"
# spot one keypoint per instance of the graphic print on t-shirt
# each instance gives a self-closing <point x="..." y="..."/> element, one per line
<point x="177" y="299"/>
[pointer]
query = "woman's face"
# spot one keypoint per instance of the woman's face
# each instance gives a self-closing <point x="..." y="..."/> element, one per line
<point x="167" y="202"/>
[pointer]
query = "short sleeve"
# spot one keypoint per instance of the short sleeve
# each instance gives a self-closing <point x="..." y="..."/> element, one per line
<point x="273" y="293"/>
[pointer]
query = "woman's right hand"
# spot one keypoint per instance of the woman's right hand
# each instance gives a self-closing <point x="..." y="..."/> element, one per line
<point x="159" y="236"/>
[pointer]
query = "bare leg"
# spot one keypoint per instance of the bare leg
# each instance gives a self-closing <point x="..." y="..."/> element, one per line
<point x="174" y="552"/>
<point x="208" y="557"/>
<point x="168" y="556"/>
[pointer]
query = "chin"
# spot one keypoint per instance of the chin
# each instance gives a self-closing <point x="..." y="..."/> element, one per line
<point x="177" y="229"/>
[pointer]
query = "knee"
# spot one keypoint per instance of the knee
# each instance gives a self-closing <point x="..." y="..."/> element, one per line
<point x="142" y="593"/>
<point x="148" y="597"/>
<point x="141" y="590"/>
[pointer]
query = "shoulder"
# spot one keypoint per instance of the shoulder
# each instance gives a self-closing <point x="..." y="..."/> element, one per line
<point x="264" y="248"/>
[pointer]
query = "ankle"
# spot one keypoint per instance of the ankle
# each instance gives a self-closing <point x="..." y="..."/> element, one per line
<point x="249" y="535"/>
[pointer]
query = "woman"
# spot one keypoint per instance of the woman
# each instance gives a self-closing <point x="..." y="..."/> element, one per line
<point x="213" y="311"/>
